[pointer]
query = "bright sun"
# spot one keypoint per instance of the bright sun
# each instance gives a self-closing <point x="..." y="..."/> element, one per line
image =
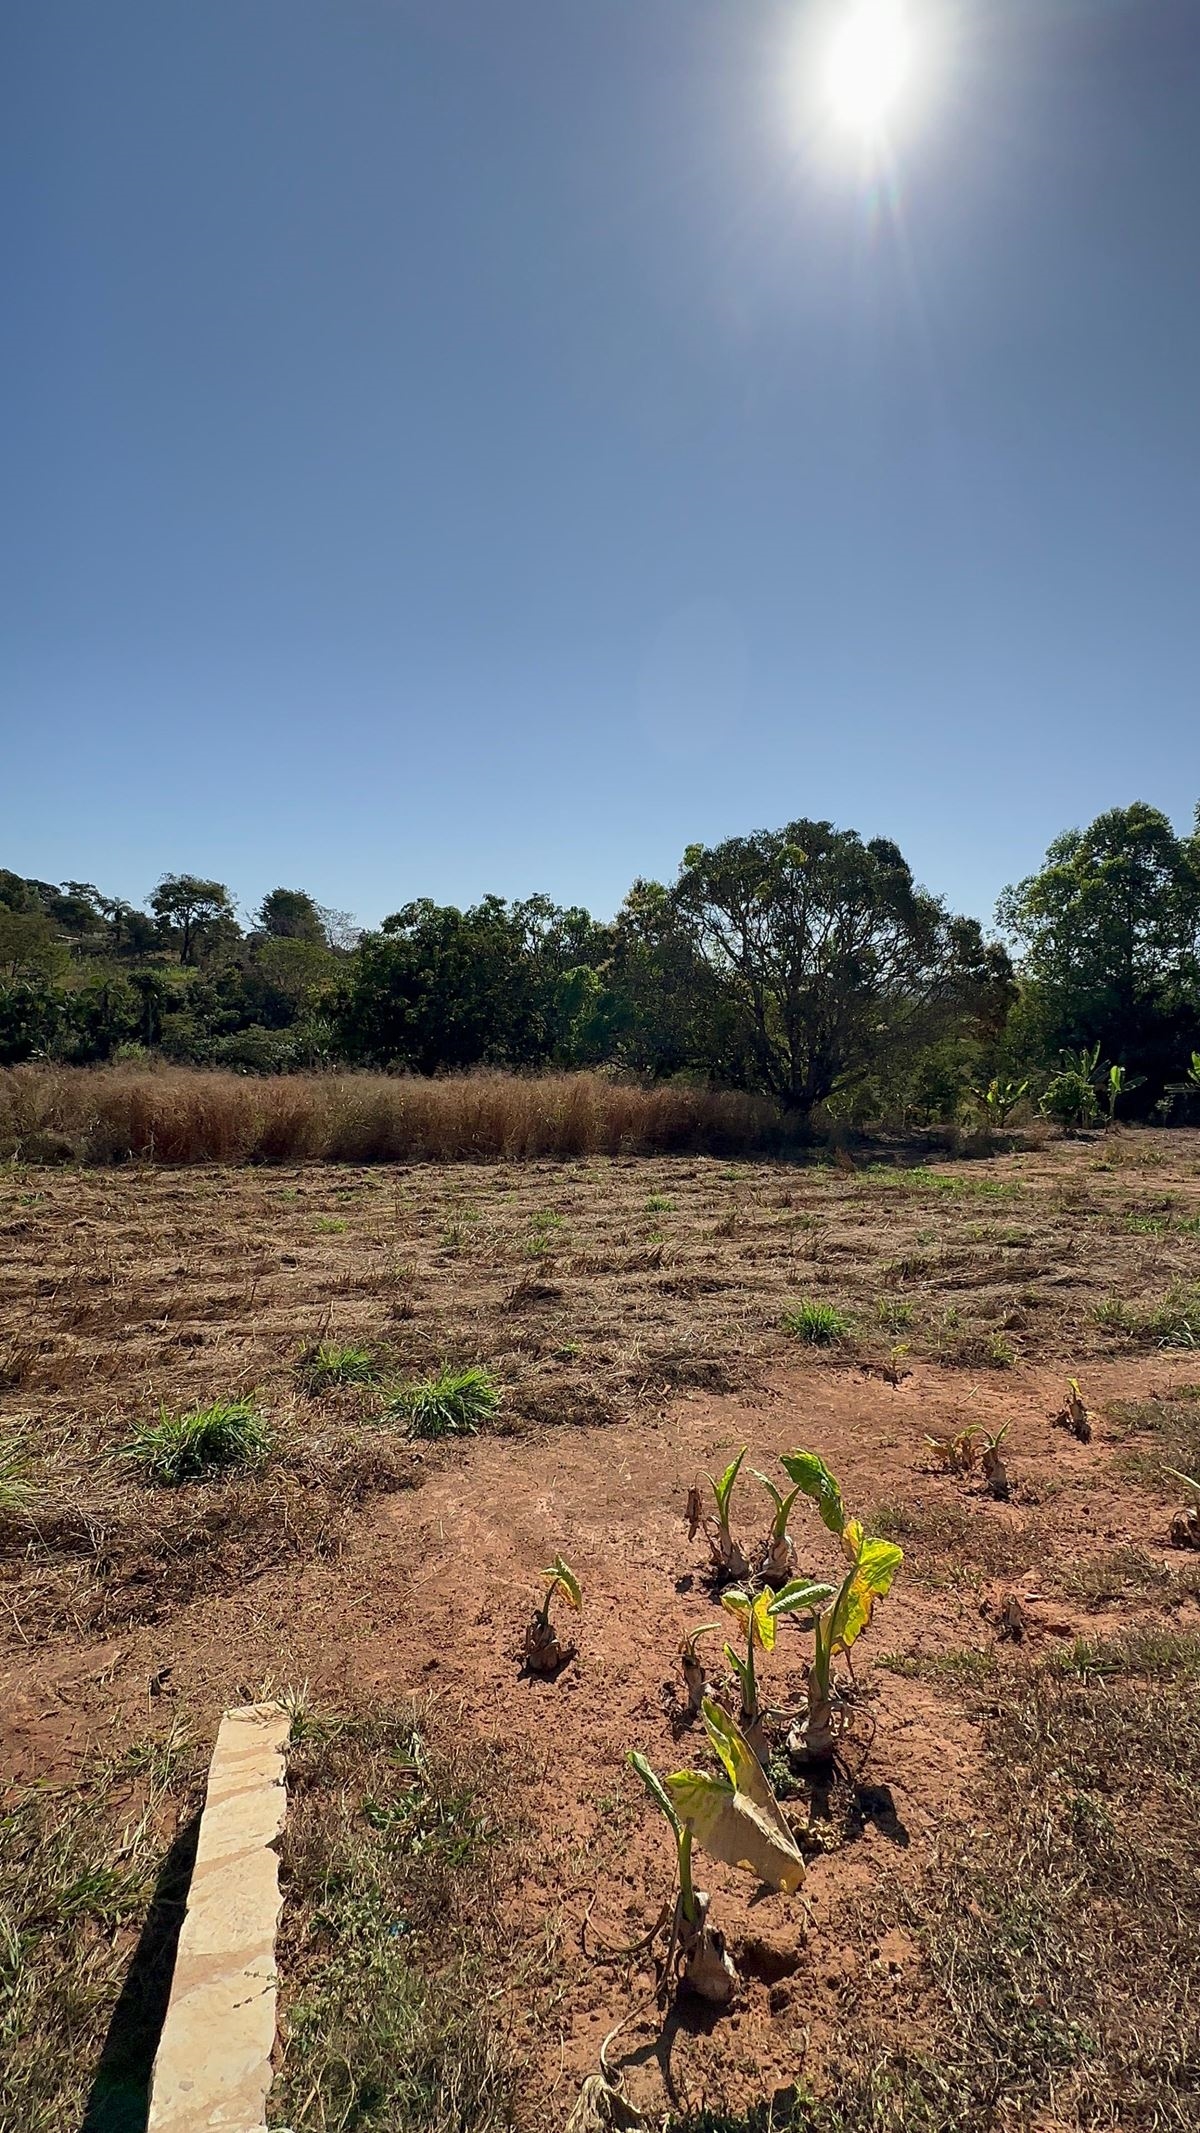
<point x="868" y="72"/>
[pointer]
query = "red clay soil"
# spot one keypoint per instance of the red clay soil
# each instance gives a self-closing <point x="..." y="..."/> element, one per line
<point x="431" y="1597"/>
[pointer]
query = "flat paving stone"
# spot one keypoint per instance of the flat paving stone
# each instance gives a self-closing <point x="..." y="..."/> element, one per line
<point x="213" y="2066"/>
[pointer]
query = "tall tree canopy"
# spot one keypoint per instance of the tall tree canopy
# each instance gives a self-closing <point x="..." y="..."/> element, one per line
<point x="828" y="952"/>
<point x="1110" y="929"/>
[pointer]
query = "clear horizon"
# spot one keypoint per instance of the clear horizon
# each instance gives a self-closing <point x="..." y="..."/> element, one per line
<point x="453" y="449"/>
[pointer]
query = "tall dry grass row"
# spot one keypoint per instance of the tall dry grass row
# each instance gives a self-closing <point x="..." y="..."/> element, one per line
<point x="187" y="1115"/>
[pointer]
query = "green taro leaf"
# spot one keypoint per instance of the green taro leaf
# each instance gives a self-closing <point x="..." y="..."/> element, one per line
<point x="814" y="1480"/>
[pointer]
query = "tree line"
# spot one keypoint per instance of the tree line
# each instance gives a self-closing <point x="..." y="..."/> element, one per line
<point x="803" y="962"/>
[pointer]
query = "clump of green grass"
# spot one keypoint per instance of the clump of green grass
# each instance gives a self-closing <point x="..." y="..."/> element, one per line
<point x="893" y="1314"/>
<point x="453" y="1404"/>
<point x="195" y="1446"/>
<point x="968" y="1665"/>
<point x="660" y="1203"/>
<point x="1172" y="1322"/>
<point x="820" y="1325"/>
<point x="19" y="1493"/>
<point x="330" y="1225"/>
<point x="330" y="1363"/>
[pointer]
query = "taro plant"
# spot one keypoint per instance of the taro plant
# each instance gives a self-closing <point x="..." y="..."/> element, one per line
<point x="959" y="1453"/>
<point x="728" y="1556"/>
<point x="991" y="1459"/>
<point x="873" y="1564"/>
<point x="779" y="1553"/>
<point x="544" y="1650"/>
<point x="738" y="1820"/>
<point x="1073" y="1415"/>
<point x="756" y="1613"/>
<point x="694" y="1678"/>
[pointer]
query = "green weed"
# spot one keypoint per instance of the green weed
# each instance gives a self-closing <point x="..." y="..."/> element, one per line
<point x="450" y="1405"/>
<point x="197" y="1445"/>
<point x="821" y="1325"/>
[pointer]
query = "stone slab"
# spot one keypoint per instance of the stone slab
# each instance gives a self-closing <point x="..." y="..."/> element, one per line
<point x="212" y="2070"/>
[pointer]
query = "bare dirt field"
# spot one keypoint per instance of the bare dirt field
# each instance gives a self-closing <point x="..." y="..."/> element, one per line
<point x="1000" y="1921"/>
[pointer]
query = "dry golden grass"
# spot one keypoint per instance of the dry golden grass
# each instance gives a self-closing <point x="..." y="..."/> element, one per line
<point x="177" y="1115"/>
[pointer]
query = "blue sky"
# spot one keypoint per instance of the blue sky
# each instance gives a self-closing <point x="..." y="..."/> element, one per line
<point x="456" y="445"/>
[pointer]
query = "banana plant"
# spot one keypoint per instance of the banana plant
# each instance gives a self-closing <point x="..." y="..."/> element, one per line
<point x="737" y="1819"/>
<point x="728" y="1557"/>
<point x="1000" y="1099"/>
<point x="873" y="1564"/>
<point x="779" y="1553"/>
<point x="544" y="1650"/>
<point x="1192" y="1076"/>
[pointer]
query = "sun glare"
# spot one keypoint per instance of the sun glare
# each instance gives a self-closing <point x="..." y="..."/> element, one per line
<point x="869" y="67"/>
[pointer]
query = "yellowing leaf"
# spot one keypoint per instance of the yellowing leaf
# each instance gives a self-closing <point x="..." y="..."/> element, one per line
<point x="733" y="1827"/>
<point x="564" y="1577"/>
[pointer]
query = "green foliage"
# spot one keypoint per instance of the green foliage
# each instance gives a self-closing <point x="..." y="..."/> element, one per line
<point x="828" y="954"/>
<point x="1110" y="929"/>
<point x="19" y="1493"/>
<point x="1069" y="1097"/>
<point x="453" y="1404"/>
<point x="330" y="1363"/>
<point x="200" y="1444"/>
<point x="821" y="1325"/>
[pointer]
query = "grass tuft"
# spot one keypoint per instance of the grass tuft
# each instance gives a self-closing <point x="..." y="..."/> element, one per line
<point x="19" y="1493"/>
<point x="821" y="1325"/>
<point x="330" y="1363"/>
<point x="195" y="1446"/>
<point x="450" y="1405"/>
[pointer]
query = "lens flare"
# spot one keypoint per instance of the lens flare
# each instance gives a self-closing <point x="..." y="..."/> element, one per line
<point x="869" y="67"/>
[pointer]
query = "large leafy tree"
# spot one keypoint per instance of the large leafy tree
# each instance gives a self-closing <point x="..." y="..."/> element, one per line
<point x="1110" y="933"/>
<point x="440" y="988"/>
<point x="292" y="915"/>
<point x="827" y="954"/>
<point x="193" y="913"/>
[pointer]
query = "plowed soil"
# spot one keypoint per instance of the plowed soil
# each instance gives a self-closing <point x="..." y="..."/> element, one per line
<point x="626" y="1380"/>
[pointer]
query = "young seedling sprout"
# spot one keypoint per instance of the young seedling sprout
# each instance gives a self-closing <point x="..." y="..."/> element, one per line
<point x="737" y="1819"/>
<point x="728" y="1557"/>
<point x="693" y="1666"/>
<point x="995" y="1473"/>
<point x="779" y="1554"/>
<point x="873" y="1565"/>
<point x="960" y="1453"/>
<point x="1185" y="1523"/>
<point x="757" y="1615"/>
<point x="544" y="1650"/>
<point x="1073" y="1415"/>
